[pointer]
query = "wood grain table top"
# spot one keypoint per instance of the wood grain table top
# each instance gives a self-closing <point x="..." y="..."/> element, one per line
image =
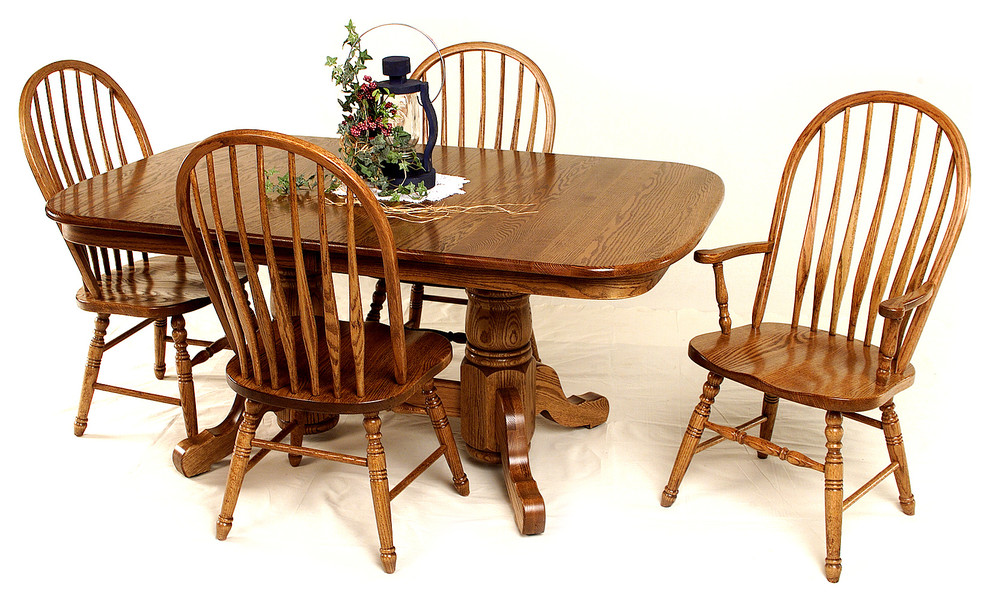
<point x="586" y="227"/>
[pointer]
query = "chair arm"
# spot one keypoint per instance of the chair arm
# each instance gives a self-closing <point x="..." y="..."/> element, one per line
<point x="728" y="252"/>
<point x="715" y="257"/>
<point x="894" y="310"/>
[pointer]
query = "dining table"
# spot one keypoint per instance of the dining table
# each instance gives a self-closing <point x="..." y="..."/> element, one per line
<point x="583" y="227"/>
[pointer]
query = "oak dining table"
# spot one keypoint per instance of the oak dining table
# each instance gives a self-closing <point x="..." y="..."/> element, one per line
<point x="583" y="227"/>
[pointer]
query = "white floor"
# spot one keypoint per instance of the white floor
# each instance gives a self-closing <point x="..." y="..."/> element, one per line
<point x="107" y="513"/>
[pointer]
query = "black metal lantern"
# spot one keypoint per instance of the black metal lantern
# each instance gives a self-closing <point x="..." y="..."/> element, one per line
<point x="410" y="94"/>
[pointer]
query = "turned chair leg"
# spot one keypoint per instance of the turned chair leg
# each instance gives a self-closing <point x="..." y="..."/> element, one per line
<point x="770" y="403"/>
<point x="695" y="428"/>
<point x="895" y="447"/>
<point x="92" y="372"/>
<point x="441" y="426"/>
<point x="183" y="367"/>
<point x="160" y="348"/>
<point x="377" y="302"/>
<point x="379" y="490"/>
<point x="415" y="306"/>
<point x="238" y="465"/>
<point x="296" y="437"/>
<point x="833" y="495"/>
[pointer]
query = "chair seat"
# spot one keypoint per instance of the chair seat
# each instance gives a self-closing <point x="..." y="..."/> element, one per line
<point x="811" y="368"/>
<point x="163" y="286"/>
<point x="427" y="354"/>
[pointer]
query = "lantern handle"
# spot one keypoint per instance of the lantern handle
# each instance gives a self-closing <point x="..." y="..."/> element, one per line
<point x="443" y="67"/>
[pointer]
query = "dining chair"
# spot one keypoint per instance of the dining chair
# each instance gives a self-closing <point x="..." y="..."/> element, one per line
<point x="293" y="353"/>
<point x="491" y="96"/>
<point x="77" y="123"/>
<point x="878" y="204"/>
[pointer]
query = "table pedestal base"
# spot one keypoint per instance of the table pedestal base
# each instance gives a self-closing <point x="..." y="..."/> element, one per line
<point x="502" y="385"/>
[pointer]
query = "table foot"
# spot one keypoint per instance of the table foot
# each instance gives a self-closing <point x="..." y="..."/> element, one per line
<point x="195" y="455"/>
<point x="524" y="495"/>
<point x="482" y="455"/>
<point x="587" y="410"/>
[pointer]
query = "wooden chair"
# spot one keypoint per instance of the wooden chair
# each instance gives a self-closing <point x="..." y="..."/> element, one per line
<point x="516" y="114"/>
<point x="76" y="123"/>
<point x="292" y="353"/>
<point x="885" y="189"/>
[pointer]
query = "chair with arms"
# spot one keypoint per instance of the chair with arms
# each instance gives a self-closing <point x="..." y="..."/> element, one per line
<point x="493" y="96"/>
<point x="293" y="355"/>
<point x="77" y="123"/>
<point x="883" y="179"/>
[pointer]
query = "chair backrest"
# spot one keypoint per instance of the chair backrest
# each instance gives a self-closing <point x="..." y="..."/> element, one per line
<point x="76" y="122"/>
<point x="881" y="197"/>
<point x="302" y="237"/>
<point x="516" y="113"/>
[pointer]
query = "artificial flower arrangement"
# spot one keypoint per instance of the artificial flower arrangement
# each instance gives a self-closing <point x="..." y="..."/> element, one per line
<point x="371" y="142"/>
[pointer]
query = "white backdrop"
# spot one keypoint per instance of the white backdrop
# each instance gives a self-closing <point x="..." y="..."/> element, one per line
<point x="723" y="85"/>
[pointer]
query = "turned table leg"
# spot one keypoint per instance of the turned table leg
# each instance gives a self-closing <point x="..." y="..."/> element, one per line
<point x="498" y="396"/>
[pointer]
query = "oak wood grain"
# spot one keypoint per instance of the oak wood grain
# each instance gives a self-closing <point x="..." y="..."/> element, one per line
<point x="473" y="74"/>
<point x="296" y="351"/>
<point x="878" y="183"/>
<point x="77" y="123"/>
<point x="573" y="241"/>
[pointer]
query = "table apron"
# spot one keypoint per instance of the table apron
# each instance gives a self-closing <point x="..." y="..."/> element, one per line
<point x="602" y="288"/>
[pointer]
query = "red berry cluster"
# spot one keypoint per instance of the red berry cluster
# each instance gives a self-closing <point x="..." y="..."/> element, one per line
<point x="375" y="123"/>
<point x="372" y="127"/>
<point x="366" y="88"/>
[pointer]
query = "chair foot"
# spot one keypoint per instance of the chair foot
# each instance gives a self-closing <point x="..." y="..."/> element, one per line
<point x="93" y="360"/>
<point x="388" y="560"/>
<point x="441" y="426"/>
<point x="238" y="466"/>
<point x="223" y="528"/>
<point x="895" y="449"/>
<point x="833" y="495"/>
<point x="692" y="435"/>
<point x="379" y="490"/>
<point x="832" y="571"/>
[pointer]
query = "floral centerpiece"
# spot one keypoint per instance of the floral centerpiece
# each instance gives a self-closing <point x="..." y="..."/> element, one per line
<point x="374" y="144"/>
<point x="370" y="140"/>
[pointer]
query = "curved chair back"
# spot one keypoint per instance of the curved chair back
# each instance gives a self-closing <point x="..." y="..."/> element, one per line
<point x="305" y="236"/>
<point x="493" y="96"/>
<point x="879" y="182"/>
<point x="76" y="123"/>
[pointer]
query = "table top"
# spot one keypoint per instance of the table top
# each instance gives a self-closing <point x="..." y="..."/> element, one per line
<point x="593" y="227"/>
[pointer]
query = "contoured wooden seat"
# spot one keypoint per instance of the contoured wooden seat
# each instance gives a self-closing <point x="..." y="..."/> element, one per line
<point x="76" y="124"/>
<point x="293" y="355"/>
<point x="878" y="187"/>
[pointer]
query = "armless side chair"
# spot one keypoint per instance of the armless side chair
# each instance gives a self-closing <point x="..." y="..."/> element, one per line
<point x="293" y="354"/>
<point x="76" y="124"/>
